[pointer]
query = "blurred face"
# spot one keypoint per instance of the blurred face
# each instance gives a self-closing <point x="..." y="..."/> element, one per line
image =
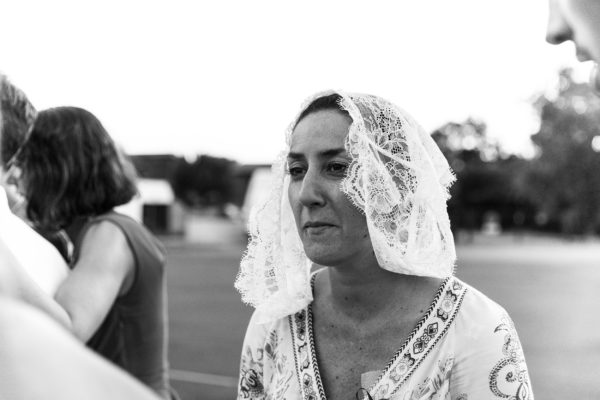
<point x="9" y="180"/>
<point x="332" y="229"/>
<point x="578" y="21"/>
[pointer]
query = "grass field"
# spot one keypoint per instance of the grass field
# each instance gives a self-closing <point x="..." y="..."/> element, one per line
<point x="550" y="288"/>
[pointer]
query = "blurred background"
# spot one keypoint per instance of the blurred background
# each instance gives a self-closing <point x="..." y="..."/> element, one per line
<point x="199" y="94"/>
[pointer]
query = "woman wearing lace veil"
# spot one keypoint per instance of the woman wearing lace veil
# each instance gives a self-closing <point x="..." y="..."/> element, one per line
<point x="362" y="189"/>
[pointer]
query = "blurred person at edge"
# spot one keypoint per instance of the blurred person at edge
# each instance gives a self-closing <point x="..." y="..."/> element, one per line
<point x="31" y="349"/>
<point x="41" y="360"/>
<point x="38" y="257"/>
<point x="114" y="298"/>
<point x="577" y="21"/>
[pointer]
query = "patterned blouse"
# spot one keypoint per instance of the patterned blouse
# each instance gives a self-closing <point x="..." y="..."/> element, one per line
<point x="465" y="347"/>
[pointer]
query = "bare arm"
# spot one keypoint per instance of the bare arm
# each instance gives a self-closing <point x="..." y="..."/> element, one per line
<point x="104" y="270"/>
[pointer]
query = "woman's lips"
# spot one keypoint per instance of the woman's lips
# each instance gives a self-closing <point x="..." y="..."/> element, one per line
<point x="317" y="227"/>
<point x="316" y="224"/>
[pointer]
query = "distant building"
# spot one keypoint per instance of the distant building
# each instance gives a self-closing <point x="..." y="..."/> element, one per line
<point x="156" y="206"/>
<point x="159" y="209"/>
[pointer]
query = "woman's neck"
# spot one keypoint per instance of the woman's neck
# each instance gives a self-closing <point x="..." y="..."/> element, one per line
<point x="74" y="228"/>
<point x="366" y="291"/>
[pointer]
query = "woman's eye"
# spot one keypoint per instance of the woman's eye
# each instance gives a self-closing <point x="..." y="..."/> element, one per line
<point x="295" y="171"/>
<point x="338" y="168"/>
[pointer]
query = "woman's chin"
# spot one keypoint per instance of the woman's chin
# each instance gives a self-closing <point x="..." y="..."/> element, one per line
<point x="319" y="259"/>
<point x="321" y="254"/>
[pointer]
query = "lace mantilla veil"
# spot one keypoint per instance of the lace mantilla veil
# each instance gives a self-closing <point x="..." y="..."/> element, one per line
<point x="398" y="177"/>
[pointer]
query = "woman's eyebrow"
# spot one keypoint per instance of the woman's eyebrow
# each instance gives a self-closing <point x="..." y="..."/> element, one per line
<point x="295" y="156"/>
<point x="323" y="154"/>
<point x="332" y="152"/>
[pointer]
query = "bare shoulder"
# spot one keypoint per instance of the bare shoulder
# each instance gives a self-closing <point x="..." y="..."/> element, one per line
<point x="104" y="236"/>
<point x="106" y="245"/>
<point x="104" y="230"/>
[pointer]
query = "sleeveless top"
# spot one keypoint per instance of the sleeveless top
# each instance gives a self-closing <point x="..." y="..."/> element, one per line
<point x="134" y="333"/>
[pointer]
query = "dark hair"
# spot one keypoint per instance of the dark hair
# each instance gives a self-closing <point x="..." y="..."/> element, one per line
<point x="72" y="168"/>
<point x="17" y="115"/>
<point x="329" y="102"/>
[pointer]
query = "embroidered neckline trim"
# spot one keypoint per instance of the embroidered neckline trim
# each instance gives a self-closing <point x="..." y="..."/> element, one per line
<point x="305" y="359"/>
<point x="406" y="359"/>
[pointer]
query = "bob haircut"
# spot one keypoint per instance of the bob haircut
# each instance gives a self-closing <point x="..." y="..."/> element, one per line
<point x="71" y="168"/>
<point x="16" y="120"/>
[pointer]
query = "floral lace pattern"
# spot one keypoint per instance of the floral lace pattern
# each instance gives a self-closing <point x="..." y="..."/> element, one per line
<point x="398" y="177"/>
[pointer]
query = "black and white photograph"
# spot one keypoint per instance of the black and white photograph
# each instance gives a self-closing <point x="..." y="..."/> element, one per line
<point x="283" y="200"/>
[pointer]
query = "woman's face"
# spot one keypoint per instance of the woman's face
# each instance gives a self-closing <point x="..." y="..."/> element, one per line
<point x="333" y="231"/>
<point x="578" y="21"/>
<point x="11" y="181"/>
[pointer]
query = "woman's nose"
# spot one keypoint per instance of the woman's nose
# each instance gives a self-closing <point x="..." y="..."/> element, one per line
<point x="557" y="29"/>
<point x="311" y="191"/>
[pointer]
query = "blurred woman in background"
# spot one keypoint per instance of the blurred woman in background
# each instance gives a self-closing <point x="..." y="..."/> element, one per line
<point x="73" y="176"/>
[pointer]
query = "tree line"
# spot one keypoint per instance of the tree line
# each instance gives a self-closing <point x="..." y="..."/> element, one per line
<point x="558" y="190"/>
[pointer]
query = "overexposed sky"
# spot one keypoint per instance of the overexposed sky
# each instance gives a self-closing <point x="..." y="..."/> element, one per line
<point x="226" y="77"/>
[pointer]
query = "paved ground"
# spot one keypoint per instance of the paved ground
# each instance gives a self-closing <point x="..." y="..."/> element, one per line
<point x="550" y="288"/>
<point x="207" y="319"/>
